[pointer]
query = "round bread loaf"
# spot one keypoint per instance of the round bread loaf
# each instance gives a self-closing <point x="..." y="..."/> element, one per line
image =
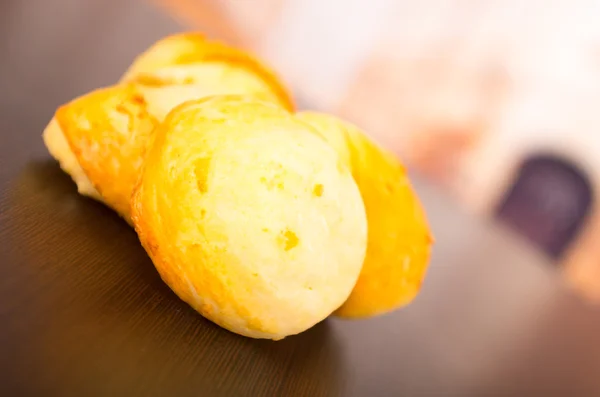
<point x="250" y="217"/>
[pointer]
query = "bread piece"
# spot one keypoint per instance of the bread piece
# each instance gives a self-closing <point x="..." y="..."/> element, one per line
<point x="400" y="240"/>
<point x="191" y="48"/>
<point x="104" y="161"/>
<point x="250" y="217"/>
<point x="109" y="132"/>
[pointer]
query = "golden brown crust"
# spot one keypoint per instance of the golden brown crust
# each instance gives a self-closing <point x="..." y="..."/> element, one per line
<point x="400" y="239"/>
<point x="109" y="131"/>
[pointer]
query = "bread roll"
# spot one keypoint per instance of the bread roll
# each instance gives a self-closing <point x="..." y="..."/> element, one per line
<point x="226" y="63"/>
<point x="400" y="240"/>
<point x="95" y="138"/>
<point x="250" y="217"/>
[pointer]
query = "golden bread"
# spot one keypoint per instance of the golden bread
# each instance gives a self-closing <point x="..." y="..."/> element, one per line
<point x="264" y="221"/>
<point x="189" y="49"/>
<point x="250" y="217"/>
<point x="400" y="240"/>
<point x="95" y="137"/>
<point x="109" y="131"/>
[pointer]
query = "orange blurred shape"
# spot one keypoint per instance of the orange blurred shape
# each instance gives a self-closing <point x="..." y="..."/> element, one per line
<point x="208" y="15"/>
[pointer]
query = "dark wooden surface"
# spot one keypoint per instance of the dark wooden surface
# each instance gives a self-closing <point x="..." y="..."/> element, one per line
<point x="84" y="313"/>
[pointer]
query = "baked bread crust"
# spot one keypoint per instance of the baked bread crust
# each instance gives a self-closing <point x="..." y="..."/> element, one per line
<point x="400" y="239"/>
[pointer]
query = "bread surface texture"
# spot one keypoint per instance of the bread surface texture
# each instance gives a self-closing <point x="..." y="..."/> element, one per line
<point x="250" y="216"/>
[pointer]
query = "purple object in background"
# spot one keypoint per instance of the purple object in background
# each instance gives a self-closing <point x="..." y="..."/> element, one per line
<point x="548" y="203"/>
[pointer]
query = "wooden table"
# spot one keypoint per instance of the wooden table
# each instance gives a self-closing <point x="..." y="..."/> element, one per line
<point x="84" y="313"/>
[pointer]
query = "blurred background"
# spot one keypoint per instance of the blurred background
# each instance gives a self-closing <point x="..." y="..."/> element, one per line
<point x="494" y="101"/>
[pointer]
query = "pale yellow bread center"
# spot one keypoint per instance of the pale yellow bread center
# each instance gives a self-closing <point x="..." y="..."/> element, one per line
<point x="59" y="148"/>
